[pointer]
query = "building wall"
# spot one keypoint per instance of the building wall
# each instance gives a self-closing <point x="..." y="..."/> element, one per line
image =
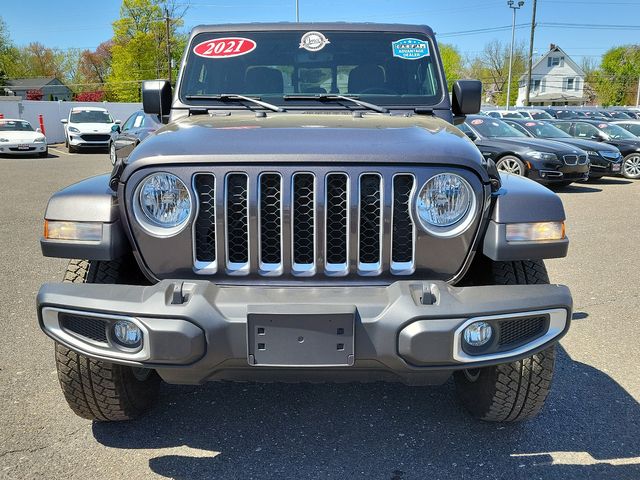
<point x="553" y="81"/>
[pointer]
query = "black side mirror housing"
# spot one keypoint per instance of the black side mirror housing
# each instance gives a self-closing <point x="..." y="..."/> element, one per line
<point x="115" y="128"/>
<point x="466" y="99"/>
<point x="156" y="97"/>
<point x="471" y="135"/>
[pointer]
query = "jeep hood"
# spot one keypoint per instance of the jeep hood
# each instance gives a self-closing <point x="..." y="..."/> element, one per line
<point x="299" y="138"/>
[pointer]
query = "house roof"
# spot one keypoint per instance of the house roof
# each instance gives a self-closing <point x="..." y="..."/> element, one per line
<point x="567" y="58"/>
<point x="555" y="97"/>
<point x="30" y="83"/>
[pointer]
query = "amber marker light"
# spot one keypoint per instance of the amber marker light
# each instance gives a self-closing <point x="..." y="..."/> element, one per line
<point x="535" y="232"/>
<point x="75" y="231"/>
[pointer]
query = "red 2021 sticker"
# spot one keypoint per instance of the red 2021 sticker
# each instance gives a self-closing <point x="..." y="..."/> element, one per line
<point x="225" y="47"/>
<point x="477" y="121"/>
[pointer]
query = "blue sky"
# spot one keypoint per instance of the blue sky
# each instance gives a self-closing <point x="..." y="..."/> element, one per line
<point x="72" y="23"/>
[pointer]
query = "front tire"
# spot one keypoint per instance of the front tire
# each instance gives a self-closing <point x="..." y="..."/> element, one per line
<point x="631" y="166"/>
<point x="511" y="164"/>
<point x="95" y="389"/>
<point x="512" y="391"/>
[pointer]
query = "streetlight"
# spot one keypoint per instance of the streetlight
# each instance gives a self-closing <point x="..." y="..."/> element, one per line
<point x="512" y="5"/>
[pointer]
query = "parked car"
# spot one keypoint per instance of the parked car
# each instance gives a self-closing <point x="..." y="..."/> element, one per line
<point x="595" y="115"/>
<point x="623" y="140"/>
<point x="632" y="126"/>
<point x="17" y="137"/>
<point x="503" y="114"/>
<point x="604" y="159"/>
<point x="88" y="127"/>
<point x="617" y="115"/>
<point x="306" y="237"/>
<point x="544" y="161"/>
<point x="535" y="114"/>
<point x="134" y="130"/>
<point x="569" y="114"/>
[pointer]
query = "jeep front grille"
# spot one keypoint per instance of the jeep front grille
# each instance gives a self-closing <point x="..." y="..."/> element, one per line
<point x="303" y="224"/>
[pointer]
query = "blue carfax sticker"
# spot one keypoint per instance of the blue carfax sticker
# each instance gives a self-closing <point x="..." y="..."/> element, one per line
<point x="410" y="48"/>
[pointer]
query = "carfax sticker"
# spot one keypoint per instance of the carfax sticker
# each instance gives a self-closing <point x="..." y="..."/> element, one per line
<point x="530" y="124"/>
<point x="410" y="48"/>
<point x="225" y="47"/>
<point x="603" y="125"/>
<point x="313" y="41"/>
<point x="477" y="121"/>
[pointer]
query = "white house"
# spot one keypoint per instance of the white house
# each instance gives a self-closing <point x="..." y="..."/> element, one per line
<point x="555" y="80"/>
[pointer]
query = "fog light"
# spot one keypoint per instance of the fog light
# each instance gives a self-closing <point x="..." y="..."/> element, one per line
<point x="477" y="334"/>
<point x="127" y="333"/>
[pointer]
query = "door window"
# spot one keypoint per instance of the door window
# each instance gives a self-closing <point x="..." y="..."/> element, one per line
<point x="129" y="123"/>
<point x="585" y="130"/>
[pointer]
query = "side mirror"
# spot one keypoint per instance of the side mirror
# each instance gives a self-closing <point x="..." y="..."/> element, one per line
<point x="156" y="97"/>
<point x="471" y="135"/>
<point x="115" y="128"/>
<point x="64" y="121"/>
<point x="466" y="98"/>
<point x="118" y="122"/>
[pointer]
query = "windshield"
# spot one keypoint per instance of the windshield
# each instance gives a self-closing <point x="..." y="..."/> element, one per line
<point x="545" y="130"/>
<point x="380" y="67"/>
<point x="15" y="126"/>
<point x="492" y="128"/>
<point x="541" y="115"/>
<point x="90" y="116"/>
<point x="616" y="132"/>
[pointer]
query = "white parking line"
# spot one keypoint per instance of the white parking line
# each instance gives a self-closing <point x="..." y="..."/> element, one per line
<point x="61" y="152"/>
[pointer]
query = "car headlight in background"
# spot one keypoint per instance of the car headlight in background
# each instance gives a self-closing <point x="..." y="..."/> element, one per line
<point x="592" y="153"/>
<point x="543" y="156"/>
<point x="162" y="204"/>
<point x="73" y="129"/>
<point x="445" y="205"/>
<point x="39" y="140"/>
<point x="4" y="140"/>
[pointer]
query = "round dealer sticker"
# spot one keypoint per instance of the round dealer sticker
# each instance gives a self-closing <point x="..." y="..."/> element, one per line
<point x="313" y="41"/>
<point x="530" y="124"/>
<point x="477" y="121"/>
<point x="225" y="47"/>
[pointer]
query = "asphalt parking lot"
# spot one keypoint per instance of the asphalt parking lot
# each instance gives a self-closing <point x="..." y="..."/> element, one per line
<point x="590" y="428"/>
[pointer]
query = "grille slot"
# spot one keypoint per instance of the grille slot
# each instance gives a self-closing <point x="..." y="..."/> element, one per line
<point x="205" y="227"/>
<point x="370" y="224"/>
<point x="571" y="159"/>
<point x="514" y="333"/>
<point x="95" y="137"/>
<point x="237" y="224"/>
<point x="582" y="159"/>
<point x="337" y="224"/>
<point x="270" y="224"/>
<point x="304" y="231"/>
<point x="87" y="327"/>
<point x="403" y="229"/>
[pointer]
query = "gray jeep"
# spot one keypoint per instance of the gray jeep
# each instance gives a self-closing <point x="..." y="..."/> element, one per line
<point x="309" y="212"/>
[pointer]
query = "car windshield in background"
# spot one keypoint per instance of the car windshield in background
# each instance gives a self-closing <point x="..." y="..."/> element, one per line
<point x="544" y="130"/>
<point x="492" y="128"/>
<point x="90" y="116"/>
<point x="13" y="126"/>
<point x="616" y="132"/>
<point x="541" y="116"/>
<point x="381" y="67"/>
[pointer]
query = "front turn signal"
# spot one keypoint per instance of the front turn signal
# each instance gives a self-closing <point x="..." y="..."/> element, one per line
<point x="535" y="232"/>
<point x="77" y="231"/>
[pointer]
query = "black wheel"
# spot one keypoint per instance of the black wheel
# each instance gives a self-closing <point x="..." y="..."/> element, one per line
<point x="631" y="166"/>
<point x="511" y="164"/>
<point x="95" y="389"/>
<point x="71" y="148"/>
<point x="112" y="153"/>
<point x="517" y="390"/>
<point x="66" y="142"/>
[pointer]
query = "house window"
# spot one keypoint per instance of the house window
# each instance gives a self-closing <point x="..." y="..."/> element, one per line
<point x="570" y="84"/>
<point x="555" y="61"/>
<point x="536" y="85"/>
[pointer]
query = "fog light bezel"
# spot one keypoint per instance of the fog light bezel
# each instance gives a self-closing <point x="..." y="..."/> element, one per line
<point x="489" y="345"/>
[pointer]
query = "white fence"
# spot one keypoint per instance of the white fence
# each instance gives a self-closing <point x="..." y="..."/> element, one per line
<point x="53" y="112"/>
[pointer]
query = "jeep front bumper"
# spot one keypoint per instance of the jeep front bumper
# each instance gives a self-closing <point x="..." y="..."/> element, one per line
<point x="409" y="331"/>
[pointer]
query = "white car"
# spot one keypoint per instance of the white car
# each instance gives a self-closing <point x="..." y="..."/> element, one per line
<point x="503" y="114"/>
<point x="534" y="114"/>
<point x="17" y="137"/>
<point x="88" y="127"/>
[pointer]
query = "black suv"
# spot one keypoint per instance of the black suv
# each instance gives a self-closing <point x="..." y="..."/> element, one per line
<point x="605" y="159"/>
<point x="544" y="161"/>
<point x="623" y="140"/>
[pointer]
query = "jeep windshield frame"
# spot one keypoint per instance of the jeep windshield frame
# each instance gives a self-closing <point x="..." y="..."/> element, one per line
<point x="283" y="69"/>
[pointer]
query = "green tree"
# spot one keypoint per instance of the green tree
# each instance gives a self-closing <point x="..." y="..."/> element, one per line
<point x="452" y="62"/>
<point x="616" y="81"/>
<point x="139" y="45"/>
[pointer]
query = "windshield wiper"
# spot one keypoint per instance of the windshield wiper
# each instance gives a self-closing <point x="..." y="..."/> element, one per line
<point x="330" y="97"/>
<point x="231" y="97"/>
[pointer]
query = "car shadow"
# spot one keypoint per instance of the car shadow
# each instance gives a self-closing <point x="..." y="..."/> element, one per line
<point x="610" y="181"/>
<point x="234" y="430"/>
<point x="575" y="188"/>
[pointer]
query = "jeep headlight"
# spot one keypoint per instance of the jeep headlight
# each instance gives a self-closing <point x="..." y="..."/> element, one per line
<point x="162" y="204"/>
<point x="445" y="205"/>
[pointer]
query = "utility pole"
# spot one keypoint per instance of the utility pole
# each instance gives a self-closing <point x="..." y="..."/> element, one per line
<point x="297" y="11"/>
<point x="167" y="21"/>
<point x="511" y="4"/>
<point x="527" y="100"/>
<point x="638" y="94"/>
